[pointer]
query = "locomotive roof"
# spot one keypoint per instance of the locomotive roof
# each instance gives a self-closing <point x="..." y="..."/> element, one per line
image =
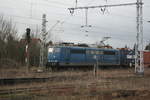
<point x="91" y="48"/>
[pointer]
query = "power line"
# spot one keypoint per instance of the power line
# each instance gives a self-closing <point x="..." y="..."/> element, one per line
<point x="55" y="2"/>
<point x="51" y="2"/>
<point x="25" y="23"/>
<point x="23" y="17"/>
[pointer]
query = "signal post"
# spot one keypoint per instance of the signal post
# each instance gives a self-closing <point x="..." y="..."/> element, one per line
<point x="27" y="47"/>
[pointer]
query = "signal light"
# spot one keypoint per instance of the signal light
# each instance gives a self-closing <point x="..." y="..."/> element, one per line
<point x="28" y="34"/>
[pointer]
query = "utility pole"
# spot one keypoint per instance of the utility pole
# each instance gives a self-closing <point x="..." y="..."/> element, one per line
<point x="31" y="7"/>
<point x="139" y="66"/>
<point x="139" y="63"/>
<point x="43" y="41"/>
<point x="76" y="3"/>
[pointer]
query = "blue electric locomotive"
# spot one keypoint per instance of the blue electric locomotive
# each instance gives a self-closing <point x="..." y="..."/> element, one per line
<point x="82" y="56"/>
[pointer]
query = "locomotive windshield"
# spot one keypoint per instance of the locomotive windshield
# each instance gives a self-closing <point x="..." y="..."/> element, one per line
<point x="52" y="50"/>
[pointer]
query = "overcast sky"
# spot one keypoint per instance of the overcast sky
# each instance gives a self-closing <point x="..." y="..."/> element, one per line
<point x="119" y="23"/>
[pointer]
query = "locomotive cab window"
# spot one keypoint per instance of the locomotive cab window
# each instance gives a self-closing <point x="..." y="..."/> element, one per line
<point x="51" y="50"/>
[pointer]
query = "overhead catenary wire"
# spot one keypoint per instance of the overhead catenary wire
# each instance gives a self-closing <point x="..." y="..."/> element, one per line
<point x="26" y="23"/>
<point x="67" y="18"/>
<point x="35" y="18"/>
<point x="59" y="3"/>
<point x="111" y="5"/>
<point x="40" y="19"/>
<point x="139" y="67"/>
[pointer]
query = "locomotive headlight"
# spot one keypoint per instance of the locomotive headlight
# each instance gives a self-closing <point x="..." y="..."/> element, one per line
<point x="50" y="50"/>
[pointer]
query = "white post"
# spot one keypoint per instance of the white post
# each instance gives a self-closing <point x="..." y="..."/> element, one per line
<point x="43" y="40"/>
<point x="95" y="66"/>
<point x="139" y="63"/>
<point x="27" y="57"/>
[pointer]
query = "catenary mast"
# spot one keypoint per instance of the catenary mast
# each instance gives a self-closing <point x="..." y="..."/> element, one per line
<point x="139" y="65"/>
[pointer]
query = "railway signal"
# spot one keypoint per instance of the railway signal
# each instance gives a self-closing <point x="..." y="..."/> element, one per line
<point x="28" y="30"/>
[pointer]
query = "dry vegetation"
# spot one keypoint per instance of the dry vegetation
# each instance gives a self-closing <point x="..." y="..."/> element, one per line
<point x="12" y="49"/>
<point x="110" y="84"/>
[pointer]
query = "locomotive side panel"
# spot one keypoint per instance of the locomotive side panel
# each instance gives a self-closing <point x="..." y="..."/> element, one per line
<point x="90" y="53"/>
<point x="111" y="57"/>
<point x="77" y="56"/>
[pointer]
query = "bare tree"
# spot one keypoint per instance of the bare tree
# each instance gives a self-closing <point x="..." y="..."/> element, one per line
<point x="7" y="29"/>
<point x="8" y="40"/>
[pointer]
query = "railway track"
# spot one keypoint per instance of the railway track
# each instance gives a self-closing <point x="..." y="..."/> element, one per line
<point x="53" y="89"/>
<point x="20" y="90"/>
<point x="12" y="81"/>
<point x="69" y="89"/>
